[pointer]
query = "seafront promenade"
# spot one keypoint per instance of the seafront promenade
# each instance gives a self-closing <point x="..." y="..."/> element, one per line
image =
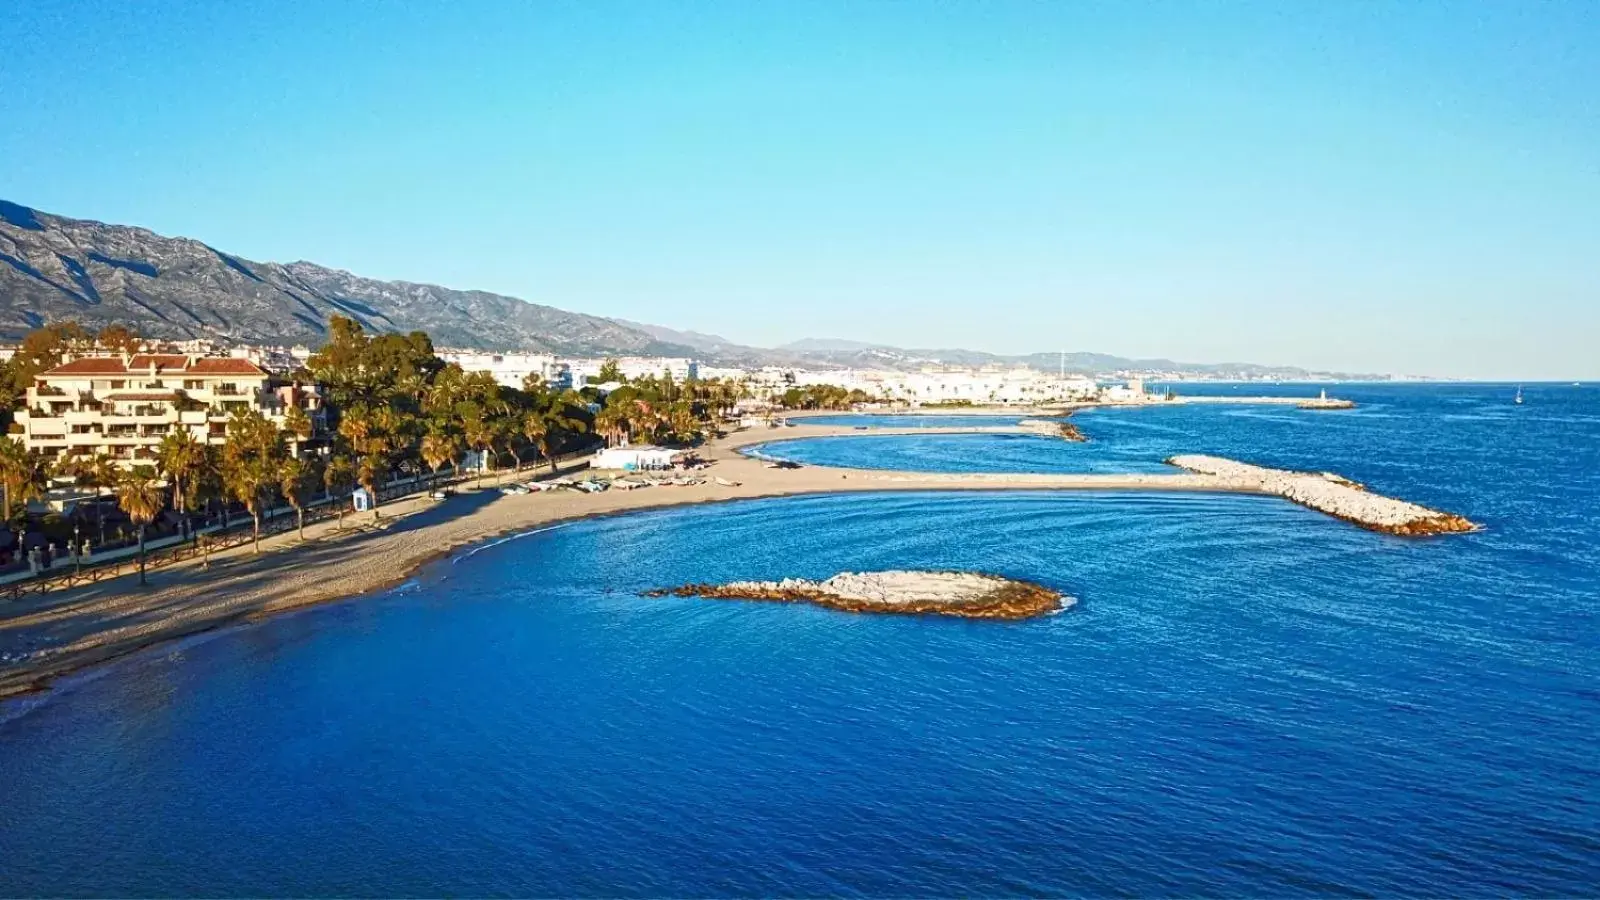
<point x="47" y="636"/>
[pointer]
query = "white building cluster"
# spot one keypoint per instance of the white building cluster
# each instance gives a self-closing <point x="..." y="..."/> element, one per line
<point x="123" y="406"/>
<point x="680" y="368"/>
<point x="509" y="369"/>
<point x="1018" y="385"/>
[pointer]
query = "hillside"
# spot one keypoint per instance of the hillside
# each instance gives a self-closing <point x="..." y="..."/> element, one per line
<point x="53" y="267"/>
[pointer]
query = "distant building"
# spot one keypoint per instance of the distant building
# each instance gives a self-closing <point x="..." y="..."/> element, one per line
<point x="510" y="369"/>
<point x="643" y="457"/>
<point x="123" y="406"/>
<point x="680" y="368"/>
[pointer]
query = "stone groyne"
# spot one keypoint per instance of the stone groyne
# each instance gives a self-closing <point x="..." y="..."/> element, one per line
<point x="1058" y="428"/>
<point x="1328" y="493"/>
<point x="1325" y="403"/>
<point x="968" y="595"/>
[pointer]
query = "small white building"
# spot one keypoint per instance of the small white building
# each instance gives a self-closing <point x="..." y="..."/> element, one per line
<point x="632" y="459"/>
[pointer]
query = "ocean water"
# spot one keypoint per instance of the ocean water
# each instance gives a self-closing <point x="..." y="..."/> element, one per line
<point x="915" y="420"/>
<point x="1249" y="698"/>
<point x="963" y="453"/>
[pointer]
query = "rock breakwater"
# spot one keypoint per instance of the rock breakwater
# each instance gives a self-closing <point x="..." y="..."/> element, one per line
<point x="1328" y="493"/>
<point x="1054" y="428"/>
<point x="969" y="595"/>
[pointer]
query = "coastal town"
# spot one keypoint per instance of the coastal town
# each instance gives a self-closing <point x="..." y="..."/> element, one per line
<point x="127" y="457"/>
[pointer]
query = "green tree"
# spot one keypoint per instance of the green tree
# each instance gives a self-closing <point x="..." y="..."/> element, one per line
<point x="298" y="480"/>
<point x="439" y="449"/>
<point x="119" y="339"/>
<point x="251" y="459"/>
<point x="139" y="495"/>
<point x="179" y="458"/>
<point x="297" y="424"/>
<point x="612" y="424"/>
<point x="338" y="477"/>
<point x="371" y="434"/>
<point x="23" y="475"/>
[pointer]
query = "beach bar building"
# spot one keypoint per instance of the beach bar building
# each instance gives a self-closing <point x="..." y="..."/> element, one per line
<point x="632" y="459"/>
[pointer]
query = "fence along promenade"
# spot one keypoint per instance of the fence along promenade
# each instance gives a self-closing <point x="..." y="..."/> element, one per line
<point x="65" y="573"/>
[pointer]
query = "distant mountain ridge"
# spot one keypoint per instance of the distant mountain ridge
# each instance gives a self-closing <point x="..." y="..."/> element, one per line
<point x="54" y="268"/>
<point x="857" y="354"/>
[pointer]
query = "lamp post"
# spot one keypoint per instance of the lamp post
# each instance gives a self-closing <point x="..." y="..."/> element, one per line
<point x="77" y="550"/>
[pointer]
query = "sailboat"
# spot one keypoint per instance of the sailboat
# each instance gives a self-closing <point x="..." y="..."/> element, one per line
<point x="1518" y="401"/>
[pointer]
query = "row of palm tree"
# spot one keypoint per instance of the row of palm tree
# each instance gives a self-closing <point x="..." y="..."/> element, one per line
<point x="392" y="408"/>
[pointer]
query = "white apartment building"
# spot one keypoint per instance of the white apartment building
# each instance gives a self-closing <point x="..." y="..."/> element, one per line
<point x="508" y="369"/>
<point x="1018" y="385"/>
<point x="124" y="406"/>
<point x="680" y="368"/>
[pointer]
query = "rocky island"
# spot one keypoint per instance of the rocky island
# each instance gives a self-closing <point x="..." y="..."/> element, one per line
<point x="968" y="595"/>
<point x="1054" y="428"/>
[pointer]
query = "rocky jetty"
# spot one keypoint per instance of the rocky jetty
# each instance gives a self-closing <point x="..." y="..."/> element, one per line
<point x="1329" y="493"/>
<point x="969" y="595"/>
<point x="1054" y="428"/>
<point x="1326" y="403"/>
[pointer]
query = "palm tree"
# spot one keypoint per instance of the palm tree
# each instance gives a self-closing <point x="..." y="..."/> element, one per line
<point x="371" y="436"/>
<point x="250" y="461"/>
<point x="439" y="448"/>
<point x="139" y="495"/>
<point x="22" y="474"/>
<point x="480" y="435"/>
<point x="298" y="478"/>
<point x="180" y="457"/>
<point x="337" y="478"/>
<point x="552" y="426"/>
<point x="536" y="428"/>
<point x="612" y="423"/>
<point x="298" y="425"/>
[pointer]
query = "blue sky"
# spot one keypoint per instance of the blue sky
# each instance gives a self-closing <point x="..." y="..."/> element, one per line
<point x="1402" y="187"/>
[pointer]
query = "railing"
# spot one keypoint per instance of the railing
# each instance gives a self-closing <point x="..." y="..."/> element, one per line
<point x="238" y="532"/>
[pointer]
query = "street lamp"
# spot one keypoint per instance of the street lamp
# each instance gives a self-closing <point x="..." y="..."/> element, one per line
<point x="77" y="550"/>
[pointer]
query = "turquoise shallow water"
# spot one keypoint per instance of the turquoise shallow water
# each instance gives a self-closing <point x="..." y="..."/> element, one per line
<point x="1250" y="698"/>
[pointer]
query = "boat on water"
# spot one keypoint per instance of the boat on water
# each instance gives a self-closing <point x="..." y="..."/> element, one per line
<point x="1518" y="401"/>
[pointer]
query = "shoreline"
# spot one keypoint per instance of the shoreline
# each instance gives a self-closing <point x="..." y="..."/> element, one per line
<point x="71" y="630"/>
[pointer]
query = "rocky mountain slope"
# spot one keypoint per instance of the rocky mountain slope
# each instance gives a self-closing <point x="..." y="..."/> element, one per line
<point x="839" y="352"/>
<point x="53" y="267"/>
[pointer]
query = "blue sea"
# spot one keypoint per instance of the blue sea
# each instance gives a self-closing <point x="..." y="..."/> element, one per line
<point x="1249" y="698"/>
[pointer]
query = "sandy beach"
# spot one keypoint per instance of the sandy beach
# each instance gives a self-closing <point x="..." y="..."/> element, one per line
<point x="44" y="637"/>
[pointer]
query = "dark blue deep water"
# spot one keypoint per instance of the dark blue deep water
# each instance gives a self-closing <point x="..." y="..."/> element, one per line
<point x="1250" y="698"/>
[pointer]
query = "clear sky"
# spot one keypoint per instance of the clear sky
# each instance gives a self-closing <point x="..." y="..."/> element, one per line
<point x="1405" y="187"/>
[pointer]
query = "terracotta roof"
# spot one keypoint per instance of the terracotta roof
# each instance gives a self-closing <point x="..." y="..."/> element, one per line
<point x="166" y="364"/>
<point x="90" y="365"/>
<point x="230" y="366"/>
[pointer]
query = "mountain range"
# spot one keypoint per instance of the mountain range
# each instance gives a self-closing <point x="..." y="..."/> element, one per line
<point x="54" y="268"/>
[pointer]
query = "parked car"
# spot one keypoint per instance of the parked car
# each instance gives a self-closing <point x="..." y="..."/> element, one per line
<point x="514" y="489"/>
<point x="440" y="494"/>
